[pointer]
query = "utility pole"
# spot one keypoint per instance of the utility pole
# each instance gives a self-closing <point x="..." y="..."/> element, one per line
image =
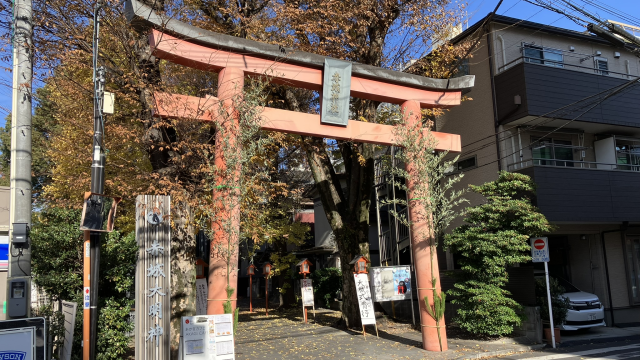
<point x="19" y="281"/>
<point x="92" y="238"/>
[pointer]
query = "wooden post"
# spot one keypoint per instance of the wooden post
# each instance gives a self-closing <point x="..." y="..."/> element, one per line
<point x="226" y="226"/>
<point x="153" y="278"/>
<point x="266" y="289"/>
<point x="420" y="234"/>
<point x="250" y="293"/>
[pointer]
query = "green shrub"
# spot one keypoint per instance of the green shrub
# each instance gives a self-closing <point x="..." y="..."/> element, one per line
<point x="326" y="284"/>
<point x="496" y="235"/>
<point x="559" y="303"/>
<point x="57" y="264"/>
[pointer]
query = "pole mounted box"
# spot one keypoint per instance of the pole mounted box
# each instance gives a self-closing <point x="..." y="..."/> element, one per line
<point x="20" y="234"/>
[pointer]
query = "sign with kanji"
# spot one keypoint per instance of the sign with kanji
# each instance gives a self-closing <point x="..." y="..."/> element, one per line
<point x="540" y="249"/>
<point x="364" y="299"/>
<point x="306" y="288"/>
<point x="153" y="278"/>
<point x="207" y="337"/>
<point x="201" y="296"/>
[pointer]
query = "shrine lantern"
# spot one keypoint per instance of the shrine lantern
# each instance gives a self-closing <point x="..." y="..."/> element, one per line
<point x="251" y="270"/>
<point x="360" y="264"/>
<point x="266" y="269"/>
<point x="305" y="265"/>
<point x="200" y="269"/>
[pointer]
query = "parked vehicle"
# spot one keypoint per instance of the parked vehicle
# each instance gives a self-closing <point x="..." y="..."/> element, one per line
<point x="585" y="311"/>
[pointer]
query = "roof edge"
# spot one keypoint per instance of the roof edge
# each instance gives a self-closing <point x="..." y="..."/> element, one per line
<point x="143" y="18"/>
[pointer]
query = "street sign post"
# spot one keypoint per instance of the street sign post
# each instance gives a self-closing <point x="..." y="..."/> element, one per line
<point x="540" y="253"/>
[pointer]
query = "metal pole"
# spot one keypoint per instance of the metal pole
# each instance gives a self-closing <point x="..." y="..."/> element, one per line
<point x="553" y="332"/>
<point x="97" y="179"/>
<point x="20" y="206"/>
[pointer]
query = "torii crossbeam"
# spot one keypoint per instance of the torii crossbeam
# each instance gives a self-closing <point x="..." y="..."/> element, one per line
<point x="234" y="58"/>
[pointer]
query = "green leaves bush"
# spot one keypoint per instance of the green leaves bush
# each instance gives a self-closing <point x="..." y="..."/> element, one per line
<point x="57" y="265"/>
<point x="559" y="303"/>
<point x="496" y="236"/>
<point x="326" y="284"/>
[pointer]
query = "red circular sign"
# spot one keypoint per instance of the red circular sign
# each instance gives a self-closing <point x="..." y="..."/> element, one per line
<point x="538" y="244"/>
<point x="186" y="321"/>
<point x="87" y="291"/>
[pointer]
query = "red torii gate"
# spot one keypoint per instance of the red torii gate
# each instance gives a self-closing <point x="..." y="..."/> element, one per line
<point x="234" y="58"/>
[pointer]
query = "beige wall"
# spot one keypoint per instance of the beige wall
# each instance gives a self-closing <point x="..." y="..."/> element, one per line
<point x="514" y="37"/>
<point x="474" y="121"/>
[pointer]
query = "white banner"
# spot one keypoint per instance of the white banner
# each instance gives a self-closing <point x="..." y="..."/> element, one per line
<point x="307" y="292"/>
<point x="364" y="299"/>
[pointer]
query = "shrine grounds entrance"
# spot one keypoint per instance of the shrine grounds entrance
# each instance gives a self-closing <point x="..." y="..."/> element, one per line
<point x="234" y="59"/>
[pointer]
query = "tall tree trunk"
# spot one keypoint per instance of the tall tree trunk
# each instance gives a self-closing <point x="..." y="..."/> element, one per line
<point x="183" y="274"/>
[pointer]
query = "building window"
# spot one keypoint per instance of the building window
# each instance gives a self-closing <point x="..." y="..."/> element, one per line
<point x="633" y="264"/>
<point x="628" y="154"/>
<point x="466" y="164"/>
<point x="602" y="65"/>
<point x="551" y="152"/>
<point x="541" y="55"/>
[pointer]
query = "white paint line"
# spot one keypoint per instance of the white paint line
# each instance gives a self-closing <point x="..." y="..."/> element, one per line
<point x="582" y="353"/>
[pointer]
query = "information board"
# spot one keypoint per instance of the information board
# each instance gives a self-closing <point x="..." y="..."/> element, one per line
<point x="207" y="337"/>
<point x="540" y="249"/>
<point x="306" y="288"/>
<point x="391" y="283"/>
<point x="364" y="299"/>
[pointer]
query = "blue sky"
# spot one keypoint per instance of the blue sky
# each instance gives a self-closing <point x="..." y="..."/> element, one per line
<point x="476" y="10"/>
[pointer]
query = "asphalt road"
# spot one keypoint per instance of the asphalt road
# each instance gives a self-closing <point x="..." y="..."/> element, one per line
<point x="622" y="350"/>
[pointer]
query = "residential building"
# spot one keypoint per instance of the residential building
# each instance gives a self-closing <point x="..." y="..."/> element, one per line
<point x="537" y="108"/>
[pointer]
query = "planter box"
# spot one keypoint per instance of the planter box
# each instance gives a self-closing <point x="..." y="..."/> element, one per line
<point x="547" y="335"/>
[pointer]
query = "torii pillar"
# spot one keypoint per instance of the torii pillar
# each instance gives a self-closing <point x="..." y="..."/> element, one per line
<point x="223" y="258"/>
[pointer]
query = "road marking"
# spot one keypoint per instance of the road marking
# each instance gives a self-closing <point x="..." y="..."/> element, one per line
<point x="629" y="355"/>
<point x="587" y="352"/>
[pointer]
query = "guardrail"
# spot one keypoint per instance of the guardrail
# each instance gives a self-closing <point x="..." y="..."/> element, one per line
<point x="575" y="164"/>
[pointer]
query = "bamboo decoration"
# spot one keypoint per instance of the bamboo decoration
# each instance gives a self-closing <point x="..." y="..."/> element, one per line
<point x="437" y="310"/>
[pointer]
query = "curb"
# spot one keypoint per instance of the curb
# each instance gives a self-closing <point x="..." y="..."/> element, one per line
<point x="515" y="349"/>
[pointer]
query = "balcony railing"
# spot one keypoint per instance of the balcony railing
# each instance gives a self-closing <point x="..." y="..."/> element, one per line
<point x="563" y="64"/>
<point x="574" y="164"/>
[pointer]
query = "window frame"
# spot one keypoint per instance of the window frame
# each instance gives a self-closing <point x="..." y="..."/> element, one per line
<point x="601" y="60"/>
<point x="474" y="166"/>
<point x="543" y="60"/>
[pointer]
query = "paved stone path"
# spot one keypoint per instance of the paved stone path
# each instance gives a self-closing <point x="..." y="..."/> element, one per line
<point x="283" y="336"/>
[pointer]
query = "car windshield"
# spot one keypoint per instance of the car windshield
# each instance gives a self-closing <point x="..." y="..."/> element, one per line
<point x="568" y="287"/>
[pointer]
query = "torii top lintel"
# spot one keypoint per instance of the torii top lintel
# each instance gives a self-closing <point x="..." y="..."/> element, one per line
<point x="187" y="45"/>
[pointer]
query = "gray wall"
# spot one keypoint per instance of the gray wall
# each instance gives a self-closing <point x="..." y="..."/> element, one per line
<point x="544" y="89"/>
<point x="583" y="195"/>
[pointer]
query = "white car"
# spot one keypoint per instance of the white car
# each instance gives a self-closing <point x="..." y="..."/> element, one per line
<point x="585" y="311"/>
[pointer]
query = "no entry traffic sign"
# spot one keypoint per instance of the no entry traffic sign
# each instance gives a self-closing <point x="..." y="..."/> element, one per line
<point x="539" y="249"/>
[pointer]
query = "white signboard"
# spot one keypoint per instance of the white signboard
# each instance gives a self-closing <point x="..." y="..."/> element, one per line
<point x="391" y="283"/>
<point x="207" y="337"/>
<point x="201" y="296"/>
<point x="307" y="292"/>
<point x="364" y="299"/>
<point x="69" y="311"/>
<point x="17" y="344"/>
<point x="540" y="249"/>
